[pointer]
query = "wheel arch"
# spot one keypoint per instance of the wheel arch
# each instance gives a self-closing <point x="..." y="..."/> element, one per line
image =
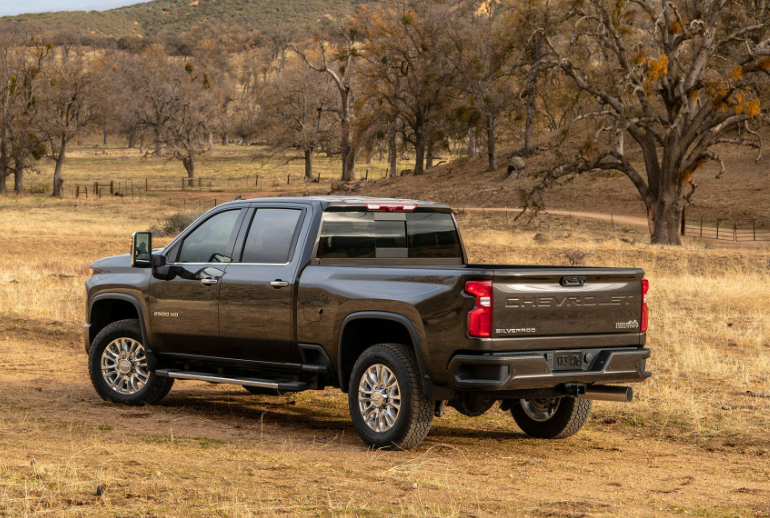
<point x="387" y="327"/>
<point x="106" y="308"/>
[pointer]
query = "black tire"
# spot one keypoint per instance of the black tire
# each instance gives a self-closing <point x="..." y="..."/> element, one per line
<point x="568" y="418"/>
<point x="415" y="415"/>
<point x="152" y="392"/>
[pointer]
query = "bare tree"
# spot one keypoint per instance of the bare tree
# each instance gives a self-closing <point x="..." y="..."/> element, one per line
<point x="66" y="107"/>
<point x="407" y="67"/>
<point x="198" y="104"/>
<point x="678" y="77"/>
<point x="485" y="59"/>
<point x="20" y="66"/>
<point x="156" y="81"/>
<point x="338" y="68"/>
<point x="291" y="114"/>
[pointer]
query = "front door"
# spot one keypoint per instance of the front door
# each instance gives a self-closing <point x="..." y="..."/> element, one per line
<point x="257" y="299"/>
<point x="184" y="312"/>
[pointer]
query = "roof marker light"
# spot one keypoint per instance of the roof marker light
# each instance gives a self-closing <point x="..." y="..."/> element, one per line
<point x="391" y="207"/>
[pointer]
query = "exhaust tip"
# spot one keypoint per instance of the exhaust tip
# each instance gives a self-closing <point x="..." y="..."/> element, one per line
<point x="609" y="393"/>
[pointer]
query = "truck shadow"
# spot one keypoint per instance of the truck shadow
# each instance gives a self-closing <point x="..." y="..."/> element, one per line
<point x="308" y="417"/>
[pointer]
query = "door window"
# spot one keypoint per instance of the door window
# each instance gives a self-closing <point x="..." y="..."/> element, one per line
<point x="210" y="242"/>
<point x="271" y="236"/>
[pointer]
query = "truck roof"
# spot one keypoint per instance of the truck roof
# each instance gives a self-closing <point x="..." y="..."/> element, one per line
<point x="356" y="202"/>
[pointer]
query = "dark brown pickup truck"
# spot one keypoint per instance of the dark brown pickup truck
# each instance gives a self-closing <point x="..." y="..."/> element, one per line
<point x="374" y="296"/>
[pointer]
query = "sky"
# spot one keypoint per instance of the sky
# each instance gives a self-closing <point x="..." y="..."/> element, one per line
<point x="13" y="7"/>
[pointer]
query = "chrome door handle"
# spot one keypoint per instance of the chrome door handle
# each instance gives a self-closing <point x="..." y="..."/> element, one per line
<point x="279" y="284"/>
<point x="209" y="282"/>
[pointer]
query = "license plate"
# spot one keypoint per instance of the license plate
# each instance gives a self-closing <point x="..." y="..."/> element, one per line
<point x="568" y="361"/>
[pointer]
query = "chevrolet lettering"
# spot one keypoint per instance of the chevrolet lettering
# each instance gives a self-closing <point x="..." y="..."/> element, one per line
<point x="569" y="302"/>
<point x="375" y="297"/>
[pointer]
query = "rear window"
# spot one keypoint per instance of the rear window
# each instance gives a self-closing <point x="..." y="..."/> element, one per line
<point x="368" y="235"/>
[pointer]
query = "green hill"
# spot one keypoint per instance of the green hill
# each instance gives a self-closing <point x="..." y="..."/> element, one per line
<point x="150" y="18"/>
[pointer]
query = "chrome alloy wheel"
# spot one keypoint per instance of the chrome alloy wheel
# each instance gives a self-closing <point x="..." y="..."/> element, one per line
<point x="124" y="366"/>
<point x="540" y="409"/>
<point x="379" y="398"/>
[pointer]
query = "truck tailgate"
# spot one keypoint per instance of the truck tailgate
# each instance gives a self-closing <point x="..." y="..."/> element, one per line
<point x="559" y="301"/>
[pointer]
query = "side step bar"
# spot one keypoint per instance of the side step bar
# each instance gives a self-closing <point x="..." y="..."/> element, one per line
<point x="288" y="386"/>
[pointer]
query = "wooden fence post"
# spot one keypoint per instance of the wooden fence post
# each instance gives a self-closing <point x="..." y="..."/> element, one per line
<point x="701" y="226"/>
<point x="146" y="185"/>
<point x="288" y="179"/>
<point x="256" y="183"/>
<point x="717" y="228"/>
<point x="754" y="228"/>
<point x="112" y="187"/>
<point x="684" y="220"/>
<point x="77" y="192"/>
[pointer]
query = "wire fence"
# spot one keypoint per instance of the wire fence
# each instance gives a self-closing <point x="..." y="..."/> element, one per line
<point x="268" y="181"/>
<point x="728" y="229"/>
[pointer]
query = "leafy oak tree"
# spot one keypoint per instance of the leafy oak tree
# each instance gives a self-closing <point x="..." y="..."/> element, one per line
<point x="677" y="77"/>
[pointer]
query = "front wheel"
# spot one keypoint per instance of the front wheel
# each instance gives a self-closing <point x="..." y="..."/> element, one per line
<point x="387" y="405"/>
<point x="117" y="363"/>
<point x="551" y="418"/>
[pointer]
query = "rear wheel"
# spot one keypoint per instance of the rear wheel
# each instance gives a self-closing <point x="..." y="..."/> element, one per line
<point x="551" y="418"/>
<point x="117" y="363"/>
<point x="387" y="405"/>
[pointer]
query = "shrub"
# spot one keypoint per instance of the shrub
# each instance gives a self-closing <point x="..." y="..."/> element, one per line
<point x="175" y="223"/>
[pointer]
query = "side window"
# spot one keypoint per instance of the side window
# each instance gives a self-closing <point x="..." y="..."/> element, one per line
<point x="210" y="241"/>
<point x="271" y="236"/>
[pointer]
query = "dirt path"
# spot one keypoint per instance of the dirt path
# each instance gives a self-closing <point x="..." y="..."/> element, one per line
<point x="216" y="450"/>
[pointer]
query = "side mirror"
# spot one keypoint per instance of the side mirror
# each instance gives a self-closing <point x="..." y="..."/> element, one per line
<point x="141" y="249"/>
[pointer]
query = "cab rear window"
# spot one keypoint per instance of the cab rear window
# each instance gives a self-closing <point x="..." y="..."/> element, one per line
<point x="369" y="235"/>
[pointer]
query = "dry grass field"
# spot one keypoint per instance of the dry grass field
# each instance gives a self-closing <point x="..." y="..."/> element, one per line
<point x="696" y="441"/>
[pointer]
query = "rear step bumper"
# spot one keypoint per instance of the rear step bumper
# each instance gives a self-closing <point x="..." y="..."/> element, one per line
<point x="288" y="386"/>
<point x="534" y="370"/>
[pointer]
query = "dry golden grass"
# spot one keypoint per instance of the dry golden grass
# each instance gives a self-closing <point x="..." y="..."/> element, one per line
<point x="694" y="441"/>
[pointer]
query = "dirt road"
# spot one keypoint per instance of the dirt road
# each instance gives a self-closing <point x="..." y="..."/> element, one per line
<point x="218" y="451"/>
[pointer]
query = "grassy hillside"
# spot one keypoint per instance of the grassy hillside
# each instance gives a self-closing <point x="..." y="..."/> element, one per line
<point x="147" y="19"/>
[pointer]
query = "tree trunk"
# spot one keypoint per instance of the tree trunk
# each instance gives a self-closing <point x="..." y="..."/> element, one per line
<point x="529" y="127"/>
<point x="348" y="162"/>
<point x="158" y="147"/>
<point x="419" y="161"/>
<point x="667" y="220"/>
<point x="392" y="148"/>
<point x="132" y="140"/>
<point x="472" y="151"/>
<point x="104" y="134"/>
<point x="225" y="140"/>
<point x="429" y="155"/>
<point x="491" y="123"/>
<point x="18" y="178"/>
<point x="3" y="176"/>
<point x="309" y="164"/>
<point x="57" y="179"/>
<point x="189" y="165"/>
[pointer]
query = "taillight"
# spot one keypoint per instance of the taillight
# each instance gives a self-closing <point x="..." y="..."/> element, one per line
<point x="480" y="317"/>
<point x="645" y="310"/>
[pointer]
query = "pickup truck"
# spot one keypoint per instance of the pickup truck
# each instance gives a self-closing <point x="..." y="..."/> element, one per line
<point x="371" y="296"/>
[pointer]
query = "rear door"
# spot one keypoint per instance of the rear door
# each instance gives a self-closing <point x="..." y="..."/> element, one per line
<point x="258" y="301"/>
<point x="566" y="301"/>
<point x="184" y="312"/>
